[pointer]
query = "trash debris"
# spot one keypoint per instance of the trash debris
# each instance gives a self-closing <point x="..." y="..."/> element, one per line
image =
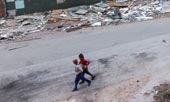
<point x="162" y="93"/>
<point x="71" y="19"/>
<point x="20" y="26"/>
<point x="2" y="22"/>
<point x="81" y="12"/>
<point x="165" y="8"/>
<point x="101" y="14"/>
<point x="77" y="26"/>
<point x="96" y="24"/>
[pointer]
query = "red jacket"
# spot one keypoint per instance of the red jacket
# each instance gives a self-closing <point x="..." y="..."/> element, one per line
<point x="84" y="62"/>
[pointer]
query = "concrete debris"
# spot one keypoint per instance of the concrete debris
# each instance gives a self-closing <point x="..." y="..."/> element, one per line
<point x="21" y="25"/>
<point x="102" y="5"/>
<point x="166" y="8"/>
<point x="96" y="24"/>
<point x="81" y="12"/>
<point x="121" y="0"/>
<point x="99" y="14"/>
<point x="141" y="13"/>
<point x="2" y="22"/>
<point x="143" y="18"/>
<point x="77" y="26"/>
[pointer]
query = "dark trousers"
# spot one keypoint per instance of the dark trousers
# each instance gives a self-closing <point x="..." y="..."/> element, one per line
<point x="87" y="72"/>
<point x="80" y="77"/>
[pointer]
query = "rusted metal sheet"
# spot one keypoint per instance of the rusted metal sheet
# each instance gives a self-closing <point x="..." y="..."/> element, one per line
<point x="2" y="14"/>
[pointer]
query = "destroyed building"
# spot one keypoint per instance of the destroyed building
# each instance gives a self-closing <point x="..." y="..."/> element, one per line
<point x="72" y="18"/>
<point x="20" y="7"/>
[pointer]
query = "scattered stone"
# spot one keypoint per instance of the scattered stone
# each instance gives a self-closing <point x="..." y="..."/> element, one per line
<point x="147" y="94"/>
<point x="164" y="41"/>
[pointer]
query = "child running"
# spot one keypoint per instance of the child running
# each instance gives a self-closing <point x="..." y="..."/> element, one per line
<point x="85" y="64"/>
<point x="79" y="75"/>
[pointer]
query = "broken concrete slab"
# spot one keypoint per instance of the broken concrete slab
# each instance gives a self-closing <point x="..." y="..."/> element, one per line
<point x="121" y="0"/>
<point x="143" y="18"/>
<point x="96" y="24"/>
<point x="73" y="9"/>
<point x="165" y="8"/>
<point x="81" y="12"/>
<point x="2" y="22"/>
<point x="102" y="5"/>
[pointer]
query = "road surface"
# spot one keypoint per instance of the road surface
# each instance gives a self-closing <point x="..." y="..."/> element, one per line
<point x="125" y="58"/>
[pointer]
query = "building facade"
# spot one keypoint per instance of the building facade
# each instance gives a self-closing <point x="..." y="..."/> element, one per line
<point x="2" y="8"/>
<point x="20" y="7"/>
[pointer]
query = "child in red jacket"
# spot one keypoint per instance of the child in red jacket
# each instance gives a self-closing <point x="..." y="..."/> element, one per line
<point x="85" y="64"/>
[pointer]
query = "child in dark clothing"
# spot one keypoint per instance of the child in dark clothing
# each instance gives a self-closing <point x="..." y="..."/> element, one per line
<point x="85" y="64"/>
<point x="79" y="75"/>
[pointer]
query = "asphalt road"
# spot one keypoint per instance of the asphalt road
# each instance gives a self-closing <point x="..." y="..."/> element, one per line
<point x="71" y="44"/>
<point x="41" y="70"/>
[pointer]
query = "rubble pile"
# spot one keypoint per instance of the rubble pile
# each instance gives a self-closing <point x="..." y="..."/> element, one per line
<point x="20" y="26"/>
<point x="141" y="12"/>
<point x="99" y="14"/>
<point x="102" y="14"/>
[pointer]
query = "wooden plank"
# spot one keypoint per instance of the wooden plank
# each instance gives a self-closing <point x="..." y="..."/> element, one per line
<point x="66" y="19"/>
